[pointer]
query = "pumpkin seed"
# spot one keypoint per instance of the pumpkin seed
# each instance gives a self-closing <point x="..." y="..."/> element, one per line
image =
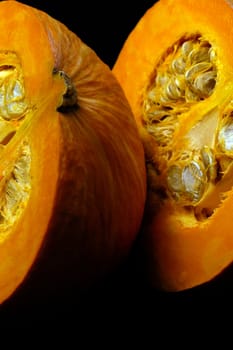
<point x="209" y="162"/>
<point x="174" y="181"/>
<point x="187" y="181"/>
<point x="12" y="104"/>
<point x="186" y="47"/>
<point x="178" y="65"/>
<point x="200" y="54"/>
<point x="205" y="83"/>
<point x="194" y="181"/>
<point x="172" y="90"/>
<point x="197" y="69"/>
<point x="225" y="137"/>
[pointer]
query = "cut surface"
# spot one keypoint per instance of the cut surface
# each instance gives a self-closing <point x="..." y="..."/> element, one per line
<point x="180" y="88"/>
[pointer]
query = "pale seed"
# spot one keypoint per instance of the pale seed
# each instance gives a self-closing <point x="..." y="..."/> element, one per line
<point x="186" y="47"/>
<point x="197" y="55"/>
<point x="198" y="68"/>
<point x="205" y="83"/>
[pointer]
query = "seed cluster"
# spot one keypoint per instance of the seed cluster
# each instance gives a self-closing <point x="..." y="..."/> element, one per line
<point x="12" y="96"/>
<point x="188" y="181"/>
<point x="185" y="76"/>
<point x="15" y="180"/>
<point x="12" y="104"/>
<point x="15" y="188"/>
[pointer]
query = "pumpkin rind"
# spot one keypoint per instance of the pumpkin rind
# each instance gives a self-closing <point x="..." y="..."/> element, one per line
<point x="87" y="178"/>
<point x="184" y="66"/>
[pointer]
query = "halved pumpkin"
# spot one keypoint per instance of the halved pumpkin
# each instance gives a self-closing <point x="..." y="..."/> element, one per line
<point x="72" y="169"/>
<point x="176" y="68"/>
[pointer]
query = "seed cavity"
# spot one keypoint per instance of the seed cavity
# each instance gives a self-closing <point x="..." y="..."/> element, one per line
<point x="12" y="103"/>
<point x="195" y="172"/>
<point x="15" y="178"/>
<point x="200" y="178"/>
<point x="184" y="76"/>
<point x="15" y="188"/>
<point x="188" y="177"/>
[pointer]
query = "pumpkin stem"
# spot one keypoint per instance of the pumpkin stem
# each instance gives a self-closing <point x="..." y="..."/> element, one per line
<point x="69" y="102"/>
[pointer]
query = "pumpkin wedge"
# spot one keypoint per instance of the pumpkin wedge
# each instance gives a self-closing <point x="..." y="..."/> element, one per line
<point x="176" y="69"/>
<point x="72" y="169"/>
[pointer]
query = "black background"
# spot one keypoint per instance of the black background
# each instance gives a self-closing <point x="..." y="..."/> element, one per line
<point x="125" y="298"/>
<point x="103" y="25"/>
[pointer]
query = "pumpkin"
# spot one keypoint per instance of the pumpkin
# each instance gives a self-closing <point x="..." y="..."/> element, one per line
<point x="176" y="69"/>
<point x="73" y="176"/>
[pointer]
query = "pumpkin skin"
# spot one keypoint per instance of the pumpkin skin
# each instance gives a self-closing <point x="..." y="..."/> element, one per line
<point x="70" y="143"/>
<point x="176" y="70"/>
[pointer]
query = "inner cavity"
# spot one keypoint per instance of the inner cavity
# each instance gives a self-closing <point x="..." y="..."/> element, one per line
<point x="15" y="186"/>
<point x="185" y="76"/>
<point x="15" y="178"/>
<point x="13" y="106"/>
